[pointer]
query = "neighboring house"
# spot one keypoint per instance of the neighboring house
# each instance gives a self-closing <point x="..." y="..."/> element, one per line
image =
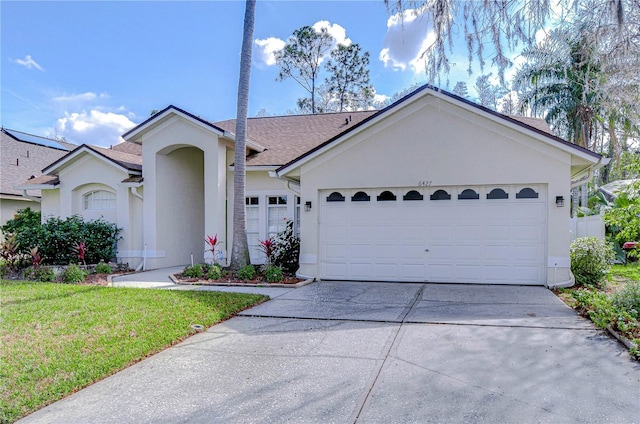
<point x="610" y="191"/>
<point x="23" y="156"/>
<point x="432" y="188"/>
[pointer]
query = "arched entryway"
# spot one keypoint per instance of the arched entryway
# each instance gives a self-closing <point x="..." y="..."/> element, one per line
<point x="180" y="208"/>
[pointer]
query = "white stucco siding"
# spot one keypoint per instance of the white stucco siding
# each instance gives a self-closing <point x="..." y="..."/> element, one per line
<point x="50" y="203"/>
<point x="9" y="207"/>
<point x="195" y="196"/>
<point x="441" y="144"/>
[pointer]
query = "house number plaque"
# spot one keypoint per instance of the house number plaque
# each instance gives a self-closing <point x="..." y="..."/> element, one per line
<point x="424" y="183"/>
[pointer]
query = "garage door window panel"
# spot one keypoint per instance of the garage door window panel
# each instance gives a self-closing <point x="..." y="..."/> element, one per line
<point x="497" y="193"/>
<point x="386" y="196"/>
<point x="468" y="194"/>
<point x="360" y="196"/>
<point x="335" y="197"/>
<point x="413" y="195"/>
<point x="440" y="195"/>
<point x="527" y="193"/>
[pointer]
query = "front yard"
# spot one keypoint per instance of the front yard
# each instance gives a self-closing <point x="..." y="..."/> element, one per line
<point x="59" y="338"/>
<point x="616" y="305"/>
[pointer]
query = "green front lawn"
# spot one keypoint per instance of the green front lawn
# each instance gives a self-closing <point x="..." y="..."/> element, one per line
<point x="59" y="338"/>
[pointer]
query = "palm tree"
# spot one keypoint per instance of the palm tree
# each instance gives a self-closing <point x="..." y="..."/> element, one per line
<point x="240" y="249"/>
<point x="563" y="81"/>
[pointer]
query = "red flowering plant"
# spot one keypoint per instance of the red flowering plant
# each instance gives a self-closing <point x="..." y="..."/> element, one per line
<point x="36" y="258"/>
<point x="212" y="243"/>
<point x="267" y="247"/>
<point x="81" y="250"/>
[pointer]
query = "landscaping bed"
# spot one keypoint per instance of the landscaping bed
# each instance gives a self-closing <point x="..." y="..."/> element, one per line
<point x="612" y="305"/>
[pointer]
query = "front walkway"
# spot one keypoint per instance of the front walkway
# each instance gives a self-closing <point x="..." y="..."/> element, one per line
<point x="378" y="353"/>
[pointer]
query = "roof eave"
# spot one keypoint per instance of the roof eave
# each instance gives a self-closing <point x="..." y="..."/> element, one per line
<point x="85" y="148"/>
<point x="145" y="126"/>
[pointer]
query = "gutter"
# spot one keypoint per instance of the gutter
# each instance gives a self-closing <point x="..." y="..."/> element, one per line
<point x="600" y="164"/>
<point x="32" y="198"/>
<point x="274" y="174"/>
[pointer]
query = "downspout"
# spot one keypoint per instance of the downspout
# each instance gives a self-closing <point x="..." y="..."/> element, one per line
<point x="142" y="266"/>
<point x="134" y="191"/>
<point x="32" y="198"/>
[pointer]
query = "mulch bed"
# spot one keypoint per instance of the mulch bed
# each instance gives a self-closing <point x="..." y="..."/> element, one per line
<point x="258" y="280"/>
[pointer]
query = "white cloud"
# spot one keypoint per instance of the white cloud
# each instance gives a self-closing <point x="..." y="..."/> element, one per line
<point x="80" y="97"/>
<point x="380" y="98"/>
<point x="338" y="33"/>
<point x="29" y="63"/>
<point x="408" y="35"/>
<point x="93" y="127"/>
<point x="266" y="49"/>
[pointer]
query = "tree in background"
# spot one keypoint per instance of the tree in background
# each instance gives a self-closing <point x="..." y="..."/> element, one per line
<point x="240" y="249"/>
<point x="503" y="25"/>
<point x="348" y="78"/>
<point x="460" y="89"/>
<point x="489" y="95"/>
<point x="301" y="57"/>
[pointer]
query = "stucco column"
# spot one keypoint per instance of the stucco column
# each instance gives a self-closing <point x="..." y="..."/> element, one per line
<point x="211" y="202"/>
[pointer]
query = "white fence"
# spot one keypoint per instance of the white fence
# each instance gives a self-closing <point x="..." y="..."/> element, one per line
<point x="587" y="226"/>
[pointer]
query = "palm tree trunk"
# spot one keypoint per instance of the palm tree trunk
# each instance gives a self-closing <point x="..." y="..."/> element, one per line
<point x="240" y="249"/>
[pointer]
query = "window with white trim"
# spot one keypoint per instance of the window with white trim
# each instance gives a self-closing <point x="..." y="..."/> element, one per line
<point x="276" y="214"/>
<point x="252" y="212"/>
<point x="296" y="224"/>
<point x="99" y="200"/>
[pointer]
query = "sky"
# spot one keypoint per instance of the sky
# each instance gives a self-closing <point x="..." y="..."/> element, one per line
<point x="89" y="71"/>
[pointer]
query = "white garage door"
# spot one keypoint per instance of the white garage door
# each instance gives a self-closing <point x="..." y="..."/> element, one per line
<point x="489" y="235"/>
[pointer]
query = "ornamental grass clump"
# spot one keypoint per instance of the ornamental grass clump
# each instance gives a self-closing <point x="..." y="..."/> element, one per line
<point x="590" y="261"/>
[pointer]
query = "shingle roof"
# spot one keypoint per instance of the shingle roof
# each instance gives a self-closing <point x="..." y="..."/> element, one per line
<point x="131" y="162"/>
<point x="287" y="137"/>
<point x="20" y="160"/>
<point x="128" y="147"/>
<point x="127" y="161"/>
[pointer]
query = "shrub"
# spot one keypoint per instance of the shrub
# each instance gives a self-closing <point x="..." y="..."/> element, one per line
<point x="41" y="274"/>
<point x="214" y="272"/>
<point x="590" y="260"/>
<point x="286" y="249"/>
<point x="103" y="268"/>
<point x="194" y="271"/>
<point x="73" y="274"/>
<point x="56" y="238"/>
<point x="628" y="299"/>
<point x="4" y="269"/>
<point x="247" y="272"/>
<point x="273" y="274"/>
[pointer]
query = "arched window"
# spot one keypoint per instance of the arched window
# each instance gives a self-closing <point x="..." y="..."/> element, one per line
<point x="413" y="195"/>
<point x="497" y="193"/>
<point x="360" y="196"/>
<point x="99" y="200"/>
<point x="386" y="196"/>
<point x="335" y="197"/>
<point x="527" y="193"/>
<point x="440" y="195"/>
<point x="468" y="194"/>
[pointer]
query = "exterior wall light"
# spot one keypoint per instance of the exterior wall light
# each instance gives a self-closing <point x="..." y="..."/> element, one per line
<point x="307" y="206"/>
<point x="559" y="201"/>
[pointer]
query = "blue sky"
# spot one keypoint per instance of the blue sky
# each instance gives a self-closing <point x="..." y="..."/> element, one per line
<point x="90" y="70"/>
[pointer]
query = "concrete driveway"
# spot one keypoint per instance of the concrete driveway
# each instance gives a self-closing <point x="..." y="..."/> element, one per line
<point x="336" y="352"/>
